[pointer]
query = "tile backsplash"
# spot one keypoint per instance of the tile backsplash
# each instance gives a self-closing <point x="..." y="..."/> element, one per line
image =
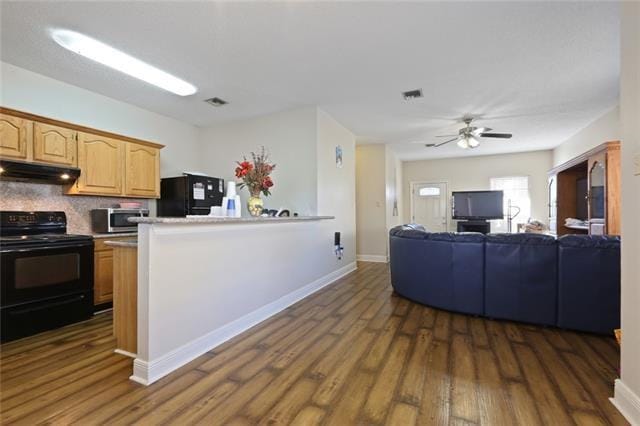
<point x="38" y="196"/>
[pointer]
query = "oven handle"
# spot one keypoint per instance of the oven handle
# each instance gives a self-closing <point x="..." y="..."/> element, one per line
<point x="31" y="249"/>
<point x="50" y="305"/>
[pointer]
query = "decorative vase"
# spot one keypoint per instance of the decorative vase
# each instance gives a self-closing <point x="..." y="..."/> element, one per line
<point x="255" y="205"/>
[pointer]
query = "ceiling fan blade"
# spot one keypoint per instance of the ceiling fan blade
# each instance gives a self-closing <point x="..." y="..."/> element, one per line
<point x="496" y="135"/>
<point x="435" y="145"/>
<point x="481" y="130"/>
<point x="446" y="136"/>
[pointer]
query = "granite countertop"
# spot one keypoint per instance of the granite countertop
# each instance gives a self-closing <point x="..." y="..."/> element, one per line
<point x="225" y="220"/>
<point x="115" y="235"/>
<point x="122" y="243"/>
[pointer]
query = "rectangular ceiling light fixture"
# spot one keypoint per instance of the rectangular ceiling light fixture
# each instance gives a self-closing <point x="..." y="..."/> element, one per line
<point x="114" y="58"/>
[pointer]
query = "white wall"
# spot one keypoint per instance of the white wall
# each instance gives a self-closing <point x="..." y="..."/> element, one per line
<point x="337" y="185"/>
<point x="473" y="173"/>
<point x="627" y="392"/>
<point x="30" y="92"/>
<point x="371" y="200"/>
<point x="291" y="140"/>
<point x="209" y="282"/>
<point x="604" y="129"/>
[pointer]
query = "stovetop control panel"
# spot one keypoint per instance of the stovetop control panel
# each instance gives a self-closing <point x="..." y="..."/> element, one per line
<point x="16" y="222"/>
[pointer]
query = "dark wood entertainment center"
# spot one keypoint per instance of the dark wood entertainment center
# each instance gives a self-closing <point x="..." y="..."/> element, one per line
<point x="587" y="188"/>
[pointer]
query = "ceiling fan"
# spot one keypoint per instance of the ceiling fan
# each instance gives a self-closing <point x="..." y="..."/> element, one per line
<point x="467" y="137"/>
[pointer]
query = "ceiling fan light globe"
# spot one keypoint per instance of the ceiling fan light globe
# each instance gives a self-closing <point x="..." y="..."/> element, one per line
<point x="473" y="142"/>
<point x="463" y="143"/>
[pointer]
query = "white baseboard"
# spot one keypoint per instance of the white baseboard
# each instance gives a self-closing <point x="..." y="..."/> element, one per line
<point x="627" y="402"/>
<point x="372" y="258"/>
<point x="148" y="372"/>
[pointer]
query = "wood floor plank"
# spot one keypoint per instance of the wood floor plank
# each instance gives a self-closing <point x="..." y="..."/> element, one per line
<point x="379" y="399"/>
<point x="464" y="404"/>
<point x="568" y="384"/>
<point x="403" y="415"/>
<point x="547" y="398"/>
<point x="412" y="385"/>
<point x="347" y="408"/>
<point x="352" y="353"/>
<point x="435" y="403"/>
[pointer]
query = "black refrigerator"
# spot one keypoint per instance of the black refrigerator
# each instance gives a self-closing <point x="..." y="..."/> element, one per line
<point x="189" y="195"/>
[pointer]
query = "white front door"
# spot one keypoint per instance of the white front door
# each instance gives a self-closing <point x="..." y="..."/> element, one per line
<point x="429" y="205"/>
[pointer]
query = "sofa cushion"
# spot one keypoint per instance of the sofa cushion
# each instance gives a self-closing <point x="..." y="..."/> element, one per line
<point x="456" y="237"/>
<point x="522" y="238"/>
<point x="404" y="231"/>
<point x="521" y="277"/>
<point x="593" y="241"/>
<point x="589" y="283"/>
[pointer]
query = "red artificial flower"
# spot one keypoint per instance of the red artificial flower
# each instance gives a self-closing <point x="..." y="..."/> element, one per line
<point x="267" y="183"/>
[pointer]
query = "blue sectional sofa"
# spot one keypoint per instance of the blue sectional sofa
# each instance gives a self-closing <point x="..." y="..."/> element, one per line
<point x="572" y="282"/>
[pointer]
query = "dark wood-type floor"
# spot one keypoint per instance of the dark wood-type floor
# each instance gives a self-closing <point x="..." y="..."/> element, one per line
<point x="351" y="354"/>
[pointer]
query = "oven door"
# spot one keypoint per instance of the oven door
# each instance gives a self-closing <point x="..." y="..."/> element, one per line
<point x="36" y="273"/>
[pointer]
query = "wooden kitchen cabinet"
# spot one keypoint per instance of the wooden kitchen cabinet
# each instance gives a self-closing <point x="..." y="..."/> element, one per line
<point x="54" y="144"/>
<point x="103" y="270"/>
<point x="15" y="136"/>
<point x="110" y="164"/>
<point x="100" y="160"/>
<point x="142" y="170"/>
<point x="103" y="276"/>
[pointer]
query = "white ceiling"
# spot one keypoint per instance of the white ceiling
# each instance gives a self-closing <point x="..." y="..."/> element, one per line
<point x="541" y="70"/>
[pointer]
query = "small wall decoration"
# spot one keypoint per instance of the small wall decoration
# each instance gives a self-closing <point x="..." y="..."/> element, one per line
<point x="339" y="156"/>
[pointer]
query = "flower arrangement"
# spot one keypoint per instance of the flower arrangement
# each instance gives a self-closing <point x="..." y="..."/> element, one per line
<point x="255" y="174"/>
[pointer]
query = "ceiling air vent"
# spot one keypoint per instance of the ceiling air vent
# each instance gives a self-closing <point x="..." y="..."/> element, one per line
<point x="412" y="94"/>
<point x="216" y="102"/>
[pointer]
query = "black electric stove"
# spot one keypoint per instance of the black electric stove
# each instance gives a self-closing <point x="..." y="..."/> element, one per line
<point x="46" y="274"/>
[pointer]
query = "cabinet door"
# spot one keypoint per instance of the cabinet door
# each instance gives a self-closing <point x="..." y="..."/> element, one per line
<point x="100" y="162"/>
<point x="54" y="144"/>
<point x="15" y="136"/>
<point x="103" y="276"/>
<point x="142" y="170"/>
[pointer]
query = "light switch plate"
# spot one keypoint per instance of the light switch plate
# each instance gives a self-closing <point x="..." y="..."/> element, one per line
<point x="636" y="164"/>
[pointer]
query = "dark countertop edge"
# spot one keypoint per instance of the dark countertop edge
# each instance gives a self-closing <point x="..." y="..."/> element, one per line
<point x="114" y="235"/>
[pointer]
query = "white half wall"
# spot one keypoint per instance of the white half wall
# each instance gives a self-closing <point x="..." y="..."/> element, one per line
<point x="474" y="173"/>
<point x="31" y="92"/>
<point x="606" y="128"/>
<point x="627" y="388"/>
<point x="201" y="284"/>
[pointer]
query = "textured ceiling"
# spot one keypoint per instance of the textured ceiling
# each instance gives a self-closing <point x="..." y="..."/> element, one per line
<point x="541" y="70"/>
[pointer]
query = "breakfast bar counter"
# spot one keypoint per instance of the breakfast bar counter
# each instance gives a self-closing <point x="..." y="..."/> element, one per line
<point x="203" y="280"/>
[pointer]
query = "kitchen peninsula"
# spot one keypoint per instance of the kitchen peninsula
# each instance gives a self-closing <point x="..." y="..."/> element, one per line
<point x="203" y="280"/>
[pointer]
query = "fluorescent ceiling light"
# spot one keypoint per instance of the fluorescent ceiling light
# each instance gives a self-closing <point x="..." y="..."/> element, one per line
<point x="107" y="55"/>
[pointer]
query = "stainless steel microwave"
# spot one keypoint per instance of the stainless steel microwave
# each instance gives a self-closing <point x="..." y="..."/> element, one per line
<point x="111" y="220"/>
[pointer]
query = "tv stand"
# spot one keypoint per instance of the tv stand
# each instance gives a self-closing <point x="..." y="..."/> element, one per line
<point x="481" y="226"/>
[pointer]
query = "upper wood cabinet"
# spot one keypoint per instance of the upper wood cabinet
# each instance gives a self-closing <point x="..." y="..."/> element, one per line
<point x="100" y="160"/>
<point x="54" y="144"/>
<point x="15" y="136"/>
<point x="142" y="170"/>
<point x="110" y="164"/>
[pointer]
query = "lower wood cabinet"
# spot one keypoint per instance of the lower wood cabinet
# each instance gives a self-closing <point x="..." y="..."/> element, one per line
<point x="103" y="270"/>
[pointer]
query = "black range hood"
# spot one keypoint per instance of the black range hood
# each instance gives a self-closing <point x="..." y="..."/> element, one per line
<point x="36" y="172"/>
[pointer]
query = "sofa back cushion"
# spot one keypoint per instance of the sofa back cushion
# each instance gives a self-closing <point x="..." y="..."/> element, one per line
<point x="589" y="283"/>
<point x="521" y="277"/>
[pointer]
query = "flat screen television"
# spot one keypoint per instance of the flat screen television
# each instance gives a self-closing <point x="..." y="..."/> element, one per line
<point x="478" y="205"/>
